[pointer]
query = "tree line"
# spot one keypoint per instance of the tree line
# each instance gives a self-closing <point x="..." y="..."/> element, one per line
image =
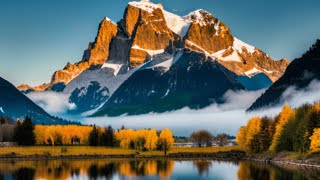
<point x="28" y="134"/>
<point x="291" y="130"/>
<point x="203" y="138"/>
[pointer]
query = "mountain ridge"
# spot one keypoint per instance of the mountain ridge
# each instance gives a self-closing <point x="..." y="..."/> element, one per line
<point x="299" y="74"/>
<point x="148" y="33"/>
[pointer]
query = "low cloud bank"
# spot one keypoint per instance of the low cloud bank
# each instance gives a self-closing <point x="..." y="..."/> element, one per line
<point x="295" y="97"/>
<point x="52" y="102"/>
<point x="225" y="118"/>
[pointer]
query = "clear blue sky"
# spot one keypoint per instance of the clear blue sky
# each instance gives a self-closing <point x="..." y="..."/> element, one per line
<point x="38" y="37"/>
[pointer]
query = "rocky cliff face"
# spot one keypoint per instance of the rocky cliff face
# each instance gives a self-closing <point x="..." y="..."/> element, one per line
<point x="97" y="53"/>
<point x="209" y="35"/>
<point x="144" y="23"/>
<point x="148" y="35"/>
<point x="208" y="32"/>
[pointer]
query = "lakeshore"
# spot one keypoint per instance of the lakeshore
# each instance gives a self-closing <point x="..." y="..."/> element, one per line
<point x="232" y="153"/>
<point x="87" y="152"/>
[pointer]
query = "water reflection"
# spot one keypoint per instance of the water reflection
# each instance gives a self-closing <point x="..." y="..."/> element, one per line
<point x="252" y="170"/>
<point x="202" y="166"/>
<point x="149" y="169"/>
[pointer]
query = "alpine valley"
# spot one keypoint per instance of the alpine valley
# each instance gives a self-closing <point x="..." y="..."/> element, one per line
<point x="155" y="61"/>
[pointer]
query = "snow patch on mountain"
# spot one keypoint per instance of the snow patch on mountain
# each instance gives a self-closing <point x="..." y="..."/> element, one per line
<point x="104" y="77"/>
<point x="1" y="110"/>
<point x="179" y="25"/>
<point x="168" y="63"/>
<point x="267" y="71"/>
<point x="239" y="45"/>
<point x="149" y="51"/>
<point x="252" y="72"/>
<point x="145" y="5"/>
<point x="199" y="47"/>
<point x="108" y="19"/>
<point x="232" y="57"/>
<point x="199" y="17"/>
<point x="115" y="67"/>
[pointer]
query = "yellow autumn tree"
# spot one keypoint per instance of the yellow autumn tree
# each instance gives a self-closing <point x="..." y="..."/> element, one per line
<point x="140" y="139"/>
<point x="253" y="128"/>
<point x="151" y="140"/>
<point x="283" y="119"/>
<point x="315" y="140"/>
<point x="126" y="136"/>
<point x="242" y="137"/>
<point x="64" y="135"/>
<point x="166" y="140"/>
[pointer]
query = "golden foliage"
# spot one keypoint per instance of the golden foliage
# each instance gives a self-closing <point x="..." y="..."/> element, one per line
<point x="139" y="139"/>
<point x="242" y="137"/>
<point x="253" y="128"/>
<point x="166" y="140"/>
<point x="315" y="140"/>
<point x="66" y="135"/>
<point x="125" y="137"/>
<point x="151" y="140"/>
<point x="283" y="118"/>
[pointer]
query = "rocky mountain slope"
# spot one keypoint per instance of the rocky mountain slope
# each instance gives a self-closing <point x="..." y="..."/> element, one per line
<point x="14" y="104"/>
<point x="299" y="74"/>
<point x="170" y="46"/>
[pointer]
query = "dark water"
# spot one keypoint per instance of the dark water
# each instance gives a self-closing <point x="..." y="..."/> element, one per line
<point x="150" y="169"/>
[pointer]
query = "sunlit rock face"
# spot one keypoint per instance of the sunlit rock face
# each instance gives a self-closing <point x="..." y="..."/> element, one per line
<point x="147" y="43"/>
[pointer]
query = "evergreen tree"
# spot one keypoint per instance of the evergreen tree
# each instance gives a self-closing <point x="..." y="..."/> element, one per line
<point x="94" y="136"/>
<point x="108" y="137"/>
<point x="24" y="132"/>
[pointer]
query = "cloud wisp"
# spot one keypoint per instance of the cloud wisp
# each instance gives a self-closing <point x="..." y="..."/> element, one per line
<point x="227" y="117"/>
<point x="52" y="102"/>
<point x="224" y="118"/>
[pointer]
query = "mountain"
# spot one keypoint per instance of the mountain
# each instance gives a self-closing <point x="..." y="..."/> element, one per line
<point x="14" y="104"/>
<point x="151" y="50"/>
<point x="191" y="81"/>
<point x="299" y="74"/>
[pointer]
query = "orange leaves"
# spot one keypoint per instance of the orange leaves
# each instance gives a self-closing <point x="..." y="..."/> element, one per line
<point x="126" y="136"/>
<point x="143" y="138"/>
<point x="282" y="120"/>
<point x="63" y="135"/>
<point x="151" y="140"/>
<point x="241" y="138"/>
<point x="166" y="140"/>
<point x="315" y="140"/>
<point x="247" y="133"/>
<point x="167" y="136"/>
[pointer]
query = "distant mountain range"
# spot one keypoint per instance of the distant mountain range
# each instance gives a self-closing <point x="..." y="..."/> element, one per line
<point x="299" y="74"/>
<point x="156" y="61"/>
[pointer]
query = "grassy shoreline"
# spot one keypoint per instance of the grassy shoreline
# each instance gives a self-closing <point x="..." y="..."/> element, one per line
<point x="233" y="153"/>
<point x="87" y="152"/>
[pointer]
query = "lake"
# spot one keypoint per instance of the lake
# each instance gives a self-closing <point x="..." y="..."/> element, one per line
<point x="150" y="169"/>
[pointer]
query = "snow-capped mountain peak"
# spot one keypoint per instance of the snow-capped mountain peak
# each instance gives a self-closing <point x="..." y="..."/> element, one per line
<point x="150" y="51"/>
<point x="177" y="24"/>
<point x="108" y="19"/>
<point x="145" y="5"/>
<point x="203" y="18"/>
<point x="239" y="45"/>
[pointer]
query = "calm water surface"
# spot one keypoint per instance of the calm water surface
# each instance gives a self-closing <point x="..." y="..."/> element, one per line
<point x="150" y="169"/>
